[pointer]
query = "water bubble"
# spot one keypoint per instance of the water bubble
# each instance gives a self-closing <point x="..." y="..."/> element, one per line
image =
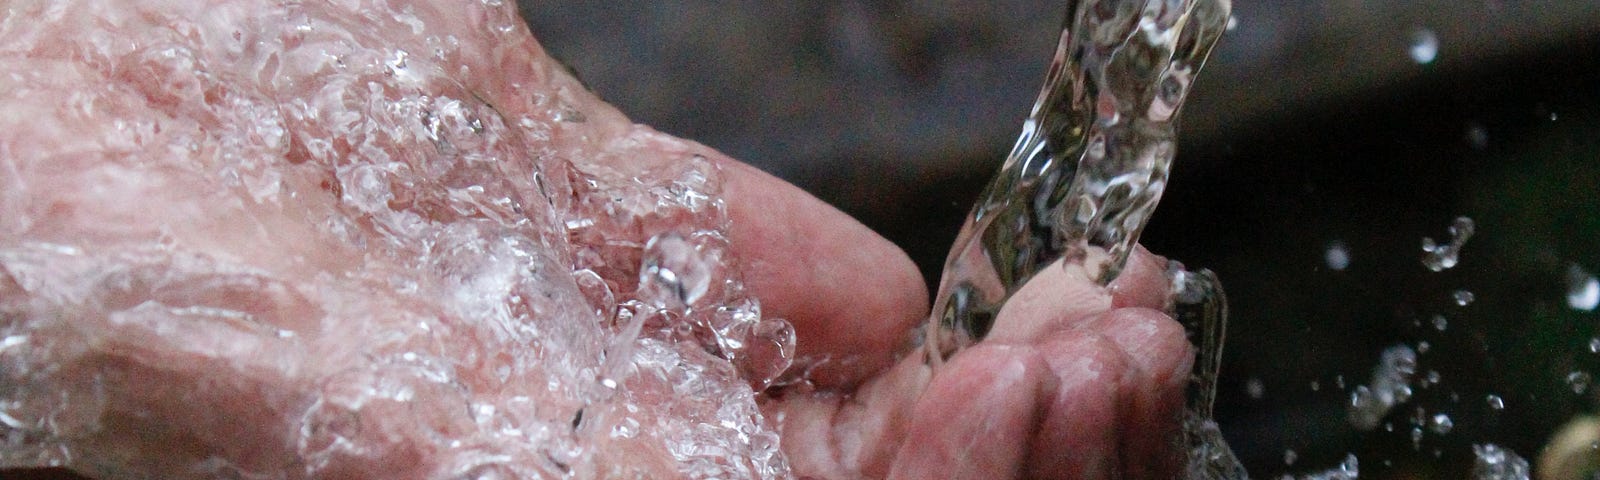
<point x="1440" y="323"/>
<point x="1416" y="438"/>
<point x="1594" y="344"/>
<point x="1463" y="297"/>
<point x="1255" y="388"/>
<point x="1316" y="386"/>
<point x="1233" y="22"/>
<point x="1337" y="256"/>
<point x="1289" y="456"/>
<point x="1439" y="257"/>
<point x="1424" y="46"/>
<point x="1583" y="290"/>
<point x="1579" y="381"/>
<point x="1424" y="346"/>
<point x="1441" y="424"/>
<point x="1494" y="463"/>
<point x="1495" y="402"/>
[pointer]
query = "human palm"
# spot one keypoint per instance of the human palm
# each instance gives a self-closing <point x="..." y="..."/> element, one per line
<point x="206" y="245"/>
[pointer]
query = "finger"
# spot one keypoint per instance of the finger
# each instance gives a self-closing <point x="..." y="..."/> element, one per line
<point x="975" y="418"/>
<point x="1059" y="297"/>
<point x="1152" y="397"/>
<point x="1055" y="299"/>
<point x="1079" y="435"/>
<point x="835" y="435"/>
<point x="851" y="295"/>
<point x="1143" y="282"/>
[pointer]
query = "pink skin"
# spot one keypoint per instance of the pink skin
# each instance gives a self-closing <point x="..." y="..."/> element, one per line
<point x="1076" y="381"/>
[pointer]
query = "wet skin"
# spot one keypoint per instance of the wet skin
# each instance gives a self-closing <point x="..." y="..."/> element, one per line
<point x="1075" y="381"/>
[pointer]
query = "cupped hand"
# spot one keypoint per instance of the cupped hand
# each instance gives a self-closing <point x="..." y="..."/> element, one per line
<point x="245" y="238"/>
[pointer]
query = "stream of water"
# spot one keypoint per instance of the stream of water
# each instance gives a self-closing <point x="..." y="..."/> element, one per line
<point x="1083" y="179"/>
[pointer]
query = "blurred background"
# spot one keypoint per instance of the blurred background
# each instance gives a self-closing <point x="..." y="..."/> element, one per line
<point x="1322" y="143"/>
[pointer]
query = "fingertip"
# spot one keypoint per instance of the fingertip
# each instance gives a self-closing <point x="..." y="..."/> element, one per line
<point x="1078" y="436"/>
<point x="1143" y="282"/>
<point x="1159" y="343"/>
<point x="1055" y="299"/>
<point x="1161" y="359"/>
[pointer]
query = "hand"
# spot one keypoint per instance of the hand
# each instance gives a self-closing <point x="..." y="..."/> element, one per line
<point x="242" y="238"/>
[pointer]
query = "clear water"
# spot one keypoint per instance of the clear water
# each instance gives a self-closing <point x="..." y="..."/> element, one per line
<point x="1083" y="179"/>
<point x="1091" y="163"/>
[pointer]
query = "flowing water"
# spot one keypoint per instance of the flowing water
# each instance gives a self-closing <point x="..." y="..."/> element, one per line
<point x="1083" y="179"/>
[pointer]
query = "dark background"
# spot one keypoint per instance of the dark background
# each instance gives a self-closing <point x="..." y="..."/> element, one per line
<point x="1311" y="126"/>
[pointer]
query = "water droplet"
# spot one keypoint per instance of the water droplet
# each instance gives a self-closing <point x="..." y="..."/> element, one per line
<point x="1463" y="297"/>
<point x="1439" y="257"/>
<point x="768" y="354"/>
<point x="1579" y="381"/>
<point x="1495" y="402"/>
<point x="1233" y="22"/>
<point x="1495" y="463"/>
<point x="1255" y="388"/>
<point x="397" y="62"/>
<point x="1390" y="386"/>
<point x="12" y="341"/>
<point x="1337" y="256"/>
<point x="1440" y="323"/>
<point x="1441" y="424"/>
<point x="626" y="428"/>
<point x="1424" y="46"/>
<point x="674" y="274"/>
<point x="1477" y="137"/>
<point x="1583" y="290"/>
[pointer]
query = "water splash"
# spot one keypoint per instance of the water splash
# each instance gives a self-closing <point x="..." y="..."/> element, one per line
<point x="1084" y="177"/>
<point x="1440" y="257"/>
<point x="1390" y="386"/>
<point x="1579" y="381"/>
<point x="1583" y="290"/>
<point x="1494" y="463"/>
<point x="1441" y="424"/>
<point x="1349" y="469"/>
<point x="1090" y="165"/>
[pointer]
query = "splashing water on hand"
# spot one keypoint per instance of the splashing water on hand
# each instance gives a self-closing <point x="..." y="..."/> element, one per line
<point x="1091" y="162"/>
<point x="1083" y="179"/>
